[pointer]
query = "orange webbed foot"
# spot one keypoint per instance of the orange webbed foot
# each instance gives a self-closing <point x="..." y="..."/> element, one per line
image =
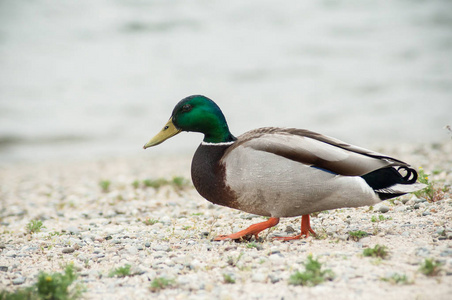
<point x="254" y="229"/>
<point x="305" y="230"/>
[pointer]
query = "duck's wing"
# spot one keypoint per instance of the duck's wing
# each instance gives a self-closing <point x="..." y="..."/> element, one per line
<point x="315" y="150"/>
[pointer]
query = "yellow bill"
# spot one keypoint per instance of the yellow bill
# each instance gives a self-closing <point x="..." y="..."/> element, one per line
<point x="168" y="131"/>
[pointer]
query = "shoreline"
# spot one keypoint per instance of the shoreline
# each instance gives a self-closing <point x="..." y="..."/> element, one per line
<point x="105" y="229"/>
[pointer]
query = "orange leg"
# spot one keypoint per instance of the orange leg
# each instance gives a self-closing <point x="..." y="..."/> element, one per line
<point x="305" y="230"/>
<point x="254" y="229"/>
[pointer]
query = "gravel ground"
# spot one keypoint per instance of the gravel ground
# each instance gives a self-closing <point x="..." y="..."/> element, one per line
<point x="98" y="230"/>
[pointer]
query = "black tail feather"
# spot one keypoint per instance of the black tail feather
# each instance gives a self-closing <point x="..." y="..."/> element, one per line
<point x="410" y="173"/>
<point x="382" y="179"/>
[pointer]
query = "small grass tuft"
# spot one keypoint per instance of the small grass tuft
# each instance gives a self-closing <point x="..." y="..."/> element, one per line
<point x="35" y="226"/>
<point x="233" y="262"/>
<point x="50" y="286"/>
<point x="357" y="235"/>
<point x="121" y="271"/>
<point x="430" y="192"/>
<point x="180" y="182"/>
<point x="155" y="183"/>
<point x="251" y="245"/>
<point x="105" y="185"/>
<point x="399" y="279"/>
<point x="228" y="278"/>
<point x="161" y="283"/>
<point x="313" y="275"/>
<point x="430" y="267"/>
<point x="150" y="221"/>
<point x="377" y="251"/>
<point x="379" y="218"/>
<point x="136" y="184"/>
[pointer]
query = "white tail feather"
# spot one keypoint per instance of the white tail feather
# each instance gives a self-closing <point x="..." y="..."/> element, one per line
<point x="402" y="188"/>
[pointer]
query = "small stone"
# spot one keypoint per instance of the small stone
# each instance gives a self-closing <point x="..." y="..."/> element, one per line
<point x="18" y="280"/>
<point x="343" y="237"/>
<point x="259" y="277"/>
<point x="426" y="213"/>
<point x="132" y="250"/>
<point x="249" y="216"/>
<point x="405" y="200"/>
<point x="276" y="258"/>
<point x="424" y="252"/>
<point x="11" y="253"/>
<point x="3" y="268"/>
<point x="441" y="231"/>
<point x="289" y="229"/>
<point x="273" y="278"/>
<point x="365" y="241"/>
<point x="73" y="230"/>
<point x="417" y="206"/>
<point x="161" y="248"/>
<point x="383" y="209"/>
<point x="147" y="244"/>
<point x="165" y="220"/>
<point x="445" y="253"/>
<point x="68" y="250"/>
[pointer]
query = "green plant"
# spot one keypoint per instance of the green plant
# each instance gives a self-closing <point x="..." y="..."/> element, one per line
<point x="430" y="267"/>
<point x="180" y="183"/>
<point x="155" y="183"/>
<point x="380" y="218"/>
<point x="251" y="245"/>
<point x="430" y="192"/>
<point x="228" y="278"/>
<point x="34" y="226"/>
<point x="313" y="274"/>
<point x="121" y="271"/>
<point x="150" y="221"/>
<point x="377" y="251"/>
<point x="55" y="286"/>
<point x="160" y="283"/>
<point x="136" y="184"/>
<point x="233" y="262"/>
<point x="105" y="185"/>
<point x="357" y="235"/>
<point x="397" y="279"/>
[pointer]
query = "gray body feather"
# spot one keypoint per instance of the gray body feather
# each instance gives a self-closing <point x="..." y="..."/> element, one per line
<point x="283" y="172"/>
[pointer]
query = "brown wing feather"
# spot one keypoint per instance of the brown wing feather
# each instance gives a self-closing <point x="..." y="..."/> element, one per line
<point x="315" y="149"/>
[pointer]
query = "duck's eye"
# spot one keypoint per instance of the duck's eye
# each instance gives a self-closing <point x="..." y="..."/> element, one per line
<point x="186" y="107"/>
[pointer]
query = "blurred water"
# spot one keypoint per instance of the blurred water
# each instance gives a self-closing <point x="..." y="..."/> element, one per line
<point x="82" y="78"/>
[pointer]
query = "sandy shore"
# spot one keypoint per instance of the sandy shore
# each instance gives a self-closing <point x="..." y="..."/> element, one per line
<point x="101" y="229"/>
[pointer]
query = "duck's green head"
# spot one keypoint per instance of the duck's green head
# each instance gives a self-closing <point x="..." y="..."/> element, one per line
<point x="195" y="113"/>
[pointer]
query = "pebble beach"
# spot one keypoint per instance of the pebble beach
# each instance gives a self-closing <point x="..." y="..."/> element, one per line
<point x="144" y="212"/>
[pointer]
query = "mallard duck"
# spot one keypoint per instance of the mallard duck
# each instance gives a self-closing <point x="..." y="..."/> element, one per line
<point x="282" y="172"/>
